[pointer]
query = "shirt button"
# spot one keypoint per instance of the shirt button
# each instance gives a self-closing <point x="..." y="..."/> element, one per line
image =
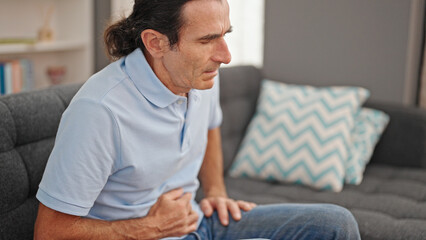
<point x="179" y="101"/>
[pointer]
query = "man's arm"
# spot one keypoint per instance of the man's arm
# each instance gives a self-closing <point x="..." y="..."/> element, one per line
<point x="211" y="177"/>
<point x="171" y="215"/>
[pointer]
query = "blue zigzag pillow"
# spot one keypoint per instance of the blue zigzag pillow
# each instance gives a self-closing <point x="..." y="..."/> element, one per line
<point x="369" y="126"/>
<point x="300" y="134"/>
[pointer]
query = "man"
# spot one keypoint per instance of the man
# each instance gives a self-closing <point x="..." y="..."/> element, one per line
<point x="134" y="139"/>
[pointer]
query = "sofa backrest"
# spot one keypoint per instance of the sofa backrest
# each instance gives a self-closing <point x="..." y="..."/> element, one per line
<point x="239" y="90"/>
<point x="403" y="143"/>
<point x="28" y="125"/>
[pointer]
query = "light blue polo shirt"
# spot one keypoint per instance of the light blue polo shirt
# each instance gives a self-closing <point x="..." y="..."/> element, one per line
<point x="126" y="139"/>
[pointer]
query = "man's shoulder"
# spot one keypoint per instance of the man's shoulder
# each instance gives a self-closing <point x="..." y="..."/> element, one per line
<point x="102" y="84"/>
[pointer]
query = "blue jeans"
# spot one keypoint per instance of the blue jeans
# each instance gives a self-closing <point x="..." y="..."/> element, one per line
<point x="283" y="221"/>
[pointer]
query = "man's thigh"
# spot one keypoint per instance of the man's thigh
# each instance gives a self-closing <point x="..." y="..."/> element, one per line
<point x="285" y="221"/>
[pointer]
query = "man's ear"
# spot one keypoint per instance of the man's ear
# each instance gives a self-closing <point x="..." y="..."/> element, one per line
<point x="155" y="42"/>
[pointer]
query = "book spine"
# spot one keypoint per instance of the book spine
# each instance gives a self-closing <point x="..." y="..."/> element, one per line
<point x="2" y="80"/>
<point x="31" y="82"/>
<point x="27" y="75"/>
<point x="8" y="77"/>
<point x="16" y="76"/>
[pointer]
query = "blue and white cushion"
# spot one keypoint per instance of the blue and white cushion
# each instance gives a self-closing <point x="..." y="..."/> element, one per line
<point x="300" y="134"/>
<point x="369" y="126"/>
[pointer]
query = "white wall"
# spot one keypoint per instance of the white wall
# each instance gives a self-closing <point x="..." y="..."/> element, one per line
<point x="246" y="40"/>
<point x="121" y="8"/>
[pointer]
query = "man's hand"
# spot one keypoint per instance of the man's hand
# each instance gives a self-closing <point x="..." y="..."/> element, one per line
<point x="211" y="177"/>
<point x="170" y="216"/>
<point x="173" y="214"/>
<point x="222" y="205"/>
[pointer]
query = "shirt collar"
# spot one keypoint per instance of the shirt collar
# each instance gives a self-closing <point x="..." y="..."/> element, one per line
<point x="146" y="81"/>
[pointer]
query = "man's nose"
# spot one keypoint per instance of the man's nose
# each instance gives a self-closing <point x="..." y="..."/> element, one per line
<point x="222" y="53"/>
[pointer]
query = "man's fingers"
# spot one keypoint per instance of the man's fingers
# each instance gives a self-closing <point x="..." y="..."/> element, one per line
<point x="222" y="206"/>
<point x="186" y="201"/>
<point x="234" y="209"/>
<point x="206" y="207"/>
<point x="246" y="206"/>
<point x="222" y="211"/>
<point x="174" y="194"/>
<point x="193" y="216"/>
<point x="193" y="220"/>
<point x="178" y="196"/>
<point x="186" y="197"/>
<point x="243" y="205"/>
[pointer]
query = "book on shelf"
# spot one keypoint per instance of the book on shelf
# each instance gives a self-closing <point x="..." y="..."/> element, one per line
<point x="16" y="76"/>
<point x="2" y="79"/>
<point x="18" y="40"/>
<point x="27" y="75"/>
<point x="8" y="78"/>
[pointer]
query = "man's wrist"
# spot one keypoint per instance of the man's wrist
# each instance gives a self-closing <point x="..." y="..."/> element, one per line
<point x="215" y="192"/>
<point x="141" y="228"/>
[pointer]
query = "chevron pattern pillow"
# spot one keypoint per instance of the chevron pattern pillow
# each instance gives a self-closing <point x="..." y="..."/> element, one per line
<point x="369" y="126"/>
<point x="300" y="134"/>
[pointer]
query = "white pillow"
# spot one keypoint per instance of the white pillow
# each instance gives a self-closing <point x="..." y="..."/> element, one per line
<point x="300" y="134"/>
<point x="369" y="126"/>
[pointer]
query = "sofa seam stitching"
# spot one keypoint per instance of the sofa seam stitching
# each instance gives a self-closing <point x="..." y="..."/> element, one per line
<point x="20" y="156"/>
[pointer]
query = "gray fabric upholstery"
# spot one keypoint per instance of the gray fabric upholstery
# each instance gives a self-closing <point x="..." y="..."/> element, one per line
<point x="391" y="201"/>
<point x="404" y="141"/>
<point x="28" y="125"/>
<point x="239" y="91"/>
<point x="389" y="204"/>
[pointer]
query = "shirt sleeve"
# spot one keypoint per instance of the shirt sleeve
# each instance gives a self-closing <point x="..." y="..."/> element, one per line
<point x="87" y="148"/>
<point x="215" y="109"/>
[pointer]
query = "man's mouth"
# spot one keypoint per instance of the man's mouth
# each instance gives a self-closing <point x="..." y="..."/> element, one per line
<point x="211" y="73"/>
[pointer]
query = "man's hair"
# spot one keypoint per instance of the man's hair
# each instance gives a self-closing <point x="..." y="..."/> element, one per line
<point x="164" y="16"/>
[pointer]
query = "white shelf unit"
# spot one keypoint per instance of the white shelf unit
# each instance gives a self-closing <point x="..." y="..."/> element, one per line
<point x="57" y="46"/>
<point x="72" y="23"/>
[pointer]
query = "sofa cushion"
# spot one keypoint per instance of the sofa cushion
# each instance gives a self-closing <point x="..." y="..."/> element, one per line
<point x="35" y="115"/>
<point x="390" y="203"/>
<point x="28" y="125"/>
<point x="369" y="125"/>
<point x="300" y="134"/>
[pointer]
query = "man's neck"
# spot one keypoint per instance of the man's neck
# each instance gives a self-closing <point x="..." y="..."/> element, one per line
<point x="161" y="73"/>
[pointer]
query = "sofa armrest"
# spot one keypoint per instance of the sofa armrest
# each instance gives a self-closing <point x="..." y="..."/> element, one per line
<point x="404" y="141"/>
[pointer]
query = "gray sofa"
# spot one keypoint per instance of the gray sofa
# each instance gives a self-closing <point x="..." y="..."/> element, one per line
<point x="389" y="204"/>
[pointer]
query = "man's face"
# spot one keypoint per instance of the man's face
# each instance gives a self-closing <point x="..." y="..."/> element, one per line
<point x="194" y="61"/>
